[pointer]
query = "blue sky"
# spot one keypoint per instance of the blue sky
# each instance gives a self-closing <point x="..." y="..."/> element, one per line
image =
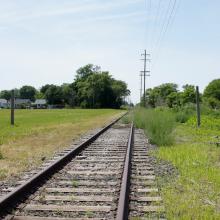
<point x="45" y="41"/>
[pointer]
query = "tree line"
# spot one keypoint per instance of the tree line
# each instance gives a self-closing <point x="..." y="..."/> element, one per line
<point x="169" y="95"/>
<point x="91" y="88"/>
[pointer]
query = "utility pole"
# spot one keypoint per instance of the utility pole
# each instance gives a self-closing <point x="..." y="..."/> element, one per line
<point x="198" y="107"/>
<point x="141" y="75"/>
<point x="145" y="73"/>
<point x="12" y="107"/>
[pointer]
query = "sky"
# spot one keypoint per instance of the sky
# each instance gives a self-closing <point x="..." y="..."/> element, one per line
<point x="46" y="41"/>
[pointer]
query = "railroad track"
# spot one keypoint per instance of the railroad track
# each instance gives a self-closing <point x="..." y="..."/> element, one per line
<point x="108" y="176"/>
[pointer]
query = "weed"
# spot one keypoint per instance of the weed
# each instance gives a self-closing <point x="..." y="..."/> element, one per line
<point x="157" y="124"/>
<point x="75" y="183"/>
<point x="89" y="214"/>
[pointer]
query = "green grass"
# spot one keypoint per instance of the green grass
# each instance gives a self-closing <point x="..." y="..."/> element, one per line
<point x="37" y="134"/>
<point x="157" y="124"/>
<point x="28" y="122"/>
<point x="195" y="193"/>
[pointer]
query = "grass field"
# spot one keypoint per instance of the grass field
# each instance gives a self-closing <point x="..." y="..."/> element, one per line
<point x="37" y="134"/>
<point x="195" y="192"/>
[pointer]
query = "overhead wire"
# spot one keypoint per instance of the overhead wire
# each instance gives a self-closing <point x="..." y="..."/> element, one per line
<point x="156" y="23"/>
<point x="164" y="21"/>
<point x="148" y="18"/>
<point x="171" y="12"/>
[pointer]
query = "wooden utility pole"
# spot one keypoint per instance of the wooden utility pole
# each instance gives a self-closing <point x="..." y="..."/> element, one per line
<point x="12" y="107"/>
<point x="141" y="75"/>
<point x="145" y="73"/>
<point x="198" y="107"/>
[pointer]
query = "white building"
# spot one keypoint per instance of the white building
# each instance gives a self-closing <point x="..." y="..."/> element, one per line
<point x="40" y="103"/>
<point x="3" y="103"/>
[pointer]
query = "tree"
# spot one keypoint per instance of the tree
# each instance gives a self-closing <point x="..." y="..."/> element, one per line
<point x="158" y="95"/>
<point x="166" y="89"/>
<point x="5" y="94"/>
<point x="213" y="90"/>
<point x="54" y="95"/>
<point x="68" y="94"/>
<point x="213" y="102"/>
<point x="97" y="89"/>
<point x="120" y="91"/>
<point x="44" y="88"/>
<point x="86" y="71"/>
<point x="28" y="92"/>
<point x="189" y="94"/>
<point x="173" y="99"/>
<point x="39" y="95"/>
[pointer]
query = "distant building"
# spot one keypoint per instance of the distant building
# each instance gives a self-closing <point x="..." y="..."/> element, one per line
<point x="3" y="103"/>
<point x="39" y="104"/>
<point x="21" y="103"/>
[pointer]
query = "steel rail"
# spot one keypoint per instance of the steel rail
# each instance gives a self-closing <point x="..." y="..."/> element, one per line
<point x="20" y="193"/>
<point x="123" y="204"/>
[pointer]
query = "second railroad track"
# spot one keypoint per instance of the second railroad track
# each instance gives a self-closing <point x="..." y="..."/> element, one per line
<point x="107" y="177"/>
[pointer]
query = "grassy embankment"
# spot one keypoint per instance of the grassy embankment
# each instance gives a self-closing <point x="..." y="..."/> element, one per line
<point x="195" y="193"/>
<point x="37" y="134"/>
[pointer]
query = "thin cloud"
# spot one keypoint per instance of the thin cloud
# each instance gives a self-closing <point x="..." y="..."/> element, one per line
<point x="22" y="15"/>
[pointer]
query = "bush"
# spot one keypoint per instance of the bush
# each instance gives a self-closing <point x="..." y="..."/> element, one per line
<point x="158" y="124"/>
<point x="184" y="114"/>
<point x="182" y="117"/>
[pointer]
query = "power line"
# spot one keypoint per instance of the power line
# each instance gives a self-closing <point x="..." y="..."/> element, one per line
<point x="147" y="27"/>
<point x="163" y="24"/>
<point x="165" y="29"/>
<point x="157" y="16"/>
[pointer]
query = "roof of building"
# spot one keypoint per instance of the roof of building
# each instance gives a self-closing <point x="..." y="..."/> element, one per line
<point x="22" y="101"/>
<point x="40" y="102"/>
<point x="3" y="101"/>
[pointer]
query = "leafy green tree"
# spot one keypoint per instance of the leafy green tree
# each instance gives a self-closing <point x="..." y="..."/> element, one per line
<point x="86" y="71"/>
<point x="189" y="94"/>
<point x="17" y="93"/>
<point x="158" y="95"/>
<point x="166" y="89"/>
<point x="97" y="89"/>
<point x="39" y="95"/>
<point x="44" y="88"/>
<point x="68" y="94"/>
<point x="120" y="91"/>
<point x="212" y="102"/>
<point x="5" y="94"/>
<point x="28" y="92"/>
<point x="173" y="99"/>
<point x="213" y="90"/>
<point x="54" y="95"/>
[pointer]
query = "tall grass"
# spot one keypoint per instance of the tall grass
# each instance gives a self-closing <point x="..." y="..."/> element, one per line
<point x="158" y="124"/>
<point x="1" y="155"/>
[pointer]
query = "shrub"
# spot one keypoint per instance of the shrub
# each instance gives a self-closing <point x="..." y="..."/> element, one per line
<point x="158" y="124"/>
<point x="182" y="117"/>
